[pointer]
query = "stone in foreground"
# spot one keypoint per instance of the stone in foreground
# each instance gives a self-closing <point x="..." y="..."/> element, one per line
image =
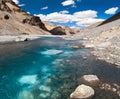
<point x="83" y="92"/>
<point x="90" y="79"/>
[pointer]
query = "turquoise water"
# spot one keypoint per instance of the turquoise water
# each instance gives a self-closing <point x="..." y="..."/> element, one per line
<point x="49" y="68"/>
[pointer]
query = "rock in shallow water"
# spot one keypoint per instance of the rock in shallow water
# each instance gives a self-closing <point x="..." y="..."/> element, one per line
<point x="90" y="79"/>
<point x="52" y="52"/>
<point x="25" y="95"/>
<point x="28" y="79"/>
<point x="83" y="92"/>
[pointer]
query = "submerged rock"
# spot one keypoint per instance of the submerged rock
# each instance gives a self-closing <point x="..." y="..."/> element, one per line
<point x="108" y="87"/>
<point x="28" y="79"/>
<point x="90" y="79"/>
<point x="25" y="95"/>
<point x="83" y="92"/>
<point x="43" y="96"/>
<point x="45" y="88"/>
<point x="52" y="52"/>
<point x="75" y="46"/>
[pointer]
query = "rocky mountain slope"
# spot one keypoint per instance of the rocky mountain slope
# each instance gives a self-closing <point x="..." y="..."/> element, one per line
<point x="100" y="31"/>
<point x="15" y="21"/>
<point x="113" y="18"/>
<point x="105" y="39"/>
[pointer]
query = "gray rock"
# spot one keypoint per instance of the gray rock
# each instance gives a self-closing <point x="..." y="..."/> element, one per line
<point x="83" y="92"/>
<point x="25" y="95"/>
<point x="90" y="80"/>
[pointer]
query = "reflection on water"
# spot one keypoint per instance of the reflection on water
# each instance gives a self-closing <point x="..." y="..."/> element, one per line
<point x="49" y="68"/>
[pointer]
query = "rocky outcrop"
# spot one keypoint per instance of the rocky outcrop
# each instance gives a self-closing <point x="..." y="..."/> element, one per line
<point x="68" y="30"/>
<point x="83" y="92"/>
<point x="35" y="21"/>
<point x="58" y="31"/>
<point x="3" y="5"/>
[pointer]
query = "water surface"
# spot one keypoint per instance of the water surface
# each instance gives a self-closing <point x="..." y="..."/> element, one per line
<point x="49" y="68"/>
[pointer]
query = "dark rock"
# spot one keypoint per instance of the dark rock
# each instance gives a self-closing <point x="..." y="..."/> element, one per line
<point x="72" y="32"/>
<point x="24" y="33"/>
<point x="6" y="17"/>
<point x="26" y="39"/>
<point x="58" y="31"/>
<point x="3" y="5"/>
<point x="35" y="21"/>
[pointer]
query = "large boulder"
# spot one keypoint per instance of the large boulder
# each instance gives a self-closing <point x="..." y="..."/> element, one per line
<point x="83" y="92"/>
<point x="58" y="31"/>
<point x="90" y="80"/>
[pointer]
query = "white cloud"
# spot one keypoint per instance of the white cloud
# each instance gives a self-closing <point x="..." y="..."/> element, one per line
<point x="16" y="1"/>
<point x="44" y="8"/>
<point x="28" y="12"/>
<point x="86" y="14"/>
<point x="111" y="10"/>
<point x="21" y="5"/>
<point x="68" y="2"/>
<point x="64" y="12"/>
<point x="56" y="17"/>
<point x="81" y="18"/>
<point x="87" y="21"/>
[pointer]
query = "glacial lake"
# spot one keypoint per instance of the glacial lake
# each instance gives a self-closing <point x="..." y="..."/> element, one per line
<point x="49" y="68"/>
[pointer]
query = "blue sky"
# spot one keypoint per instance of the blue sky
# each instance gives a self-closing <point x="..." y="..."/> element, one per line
<point x="73" y="13"/>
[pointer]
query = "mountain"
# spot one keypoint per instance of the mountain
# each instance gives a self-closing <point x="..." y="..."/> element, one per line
<point x="104" y="31"/>
<point x="113" y="18"/>
<point x="63" y="29"/>
<point x="15" y="21"/>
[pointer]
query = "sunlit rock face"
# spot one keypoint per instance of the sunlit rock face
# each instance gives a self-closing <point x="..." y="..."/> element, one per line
<point x="90" y="80"/>
<point x="83" y="92"/>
